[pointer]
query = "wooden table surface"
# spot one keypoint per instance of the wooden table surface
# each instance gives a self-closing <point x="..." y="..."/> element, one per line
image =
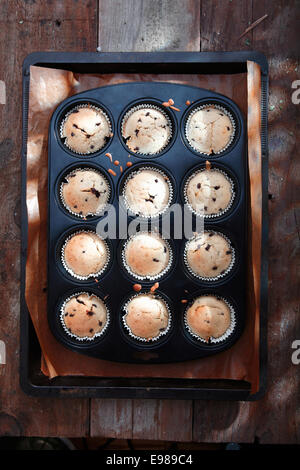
<point x="151" y="25"/>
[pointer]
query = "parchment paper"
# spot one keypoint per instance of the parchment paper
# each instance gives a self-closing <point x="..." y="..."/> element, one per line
<point x="48" y="87"/>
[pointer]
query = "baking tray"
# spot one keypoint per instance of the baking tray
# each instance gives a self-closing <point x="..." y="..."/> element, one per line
<point x="31" y="380"/>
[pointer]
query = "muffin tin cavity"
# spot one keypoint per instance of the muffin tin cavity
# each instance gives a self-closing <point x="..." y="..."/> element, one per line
<point x="153" y="186"/>
<point x="84" y="191"/>
<point x="209" y="256"/>
<point x="209" y="192"/>
<point x="146" y="318"/>
<point x="147" y="191"/>
<point x="210" y="128"/>
<point x="147" y="128"/>
<point x="83" y="255"/>
<point x="84" y="128"/>
<point x="146" y="256"/>
<point x="210" y="319"/>
<point x="84" y="317"/>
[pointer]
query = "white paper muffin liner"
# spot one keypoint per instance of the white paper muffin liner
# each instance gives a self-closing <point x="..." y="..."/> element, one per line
<point x="79" y="106"/>
<point x="148" y="278"/>
<point x="209" y="216"/>
<point x="213" y="340"/>
<point x="138" y="338"/>
<point x="83" y="338"/>
<point x="148" y="106"/>
<point x="83" y="216"/>
<point x="167" y="179"/>
<point x="225" y="111"/>
<point x="219" y="276"/>
<point x="92" y="275"/>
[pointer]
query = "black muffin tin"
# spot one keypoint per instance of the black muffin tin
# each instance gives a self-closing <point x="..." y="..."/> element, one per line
<point x="177" y="160"/>
<point x="32" y="381"/>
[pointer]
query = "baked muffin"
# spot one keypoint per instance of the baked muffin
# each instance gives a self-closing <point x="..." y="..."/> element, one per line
<point x="85" y="192"/>
<point x="146" y="130"/>
<point x="209" y="129"/>
<point x="85" y="254"/>
<point x="147" y="317"/>
<point x="85" y="129"/>
<point x="84" y="315"/>
<point x="209" y="255"/>
<point x="147" y="192"/>
<point x="209" y="192"/>
<point x="208" y="317"/>
<point x="146" y="255"/>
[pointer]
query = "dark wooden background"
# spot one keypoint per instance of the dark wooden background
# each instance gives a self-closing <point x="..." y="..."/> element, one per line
<point x="151" y="25"/>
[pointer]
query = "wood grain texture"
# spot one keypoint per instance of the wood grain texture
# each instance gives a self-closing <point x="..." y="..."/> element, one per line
<point x="156" y="25"/>
<point x="274" y="419"/>
<point x="224" y="421"/>
<point x="111" y="418"/>
<point x="279" y="417"/>
<point x="27" y="26"/>
<point x="221" y="24"/>
<point x="169" y="420"/>
<point x="162" y="420"/>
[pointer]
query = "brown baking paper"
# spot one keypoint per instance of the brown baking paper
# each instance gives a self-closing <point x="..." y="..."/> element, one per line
<point x="48" y="87"/>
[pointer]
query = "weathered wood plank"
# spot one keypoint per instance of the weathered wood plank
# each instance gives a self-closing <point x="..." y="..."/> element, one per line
<point x="52" y="10"/>
<point x="155" y="25"/>
<point x="146" y="422"/>
<point x="23" y="30"/>
<point x="222" y="23"/>
<point x="170" y="420"/>
<point x="111" y="418"/>
<point x="223" y="421"/>
<point x="277" y="420"/>
<point x="163" y="420"/>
